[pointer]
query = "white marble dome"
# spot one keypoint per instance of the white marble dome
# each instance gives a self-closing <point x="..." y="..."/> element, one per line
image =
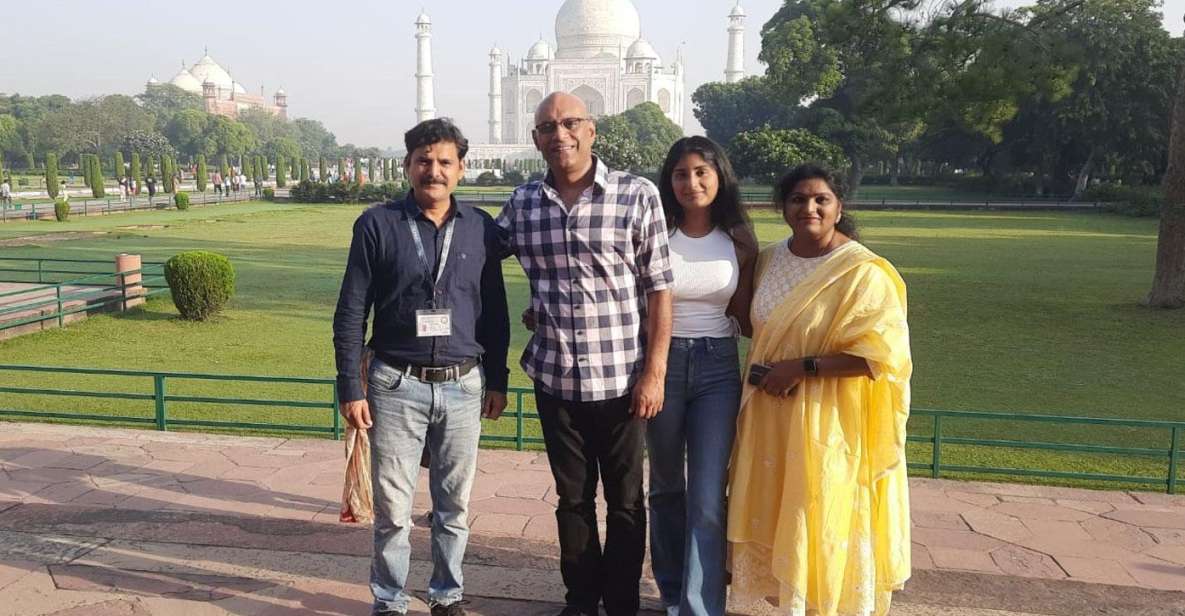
<point x="595" y="28"/>
<point x="207" y="69"/>
<point x="186" y="81"/>
<point x="641" y="50"/>
<point x="541" y="50"/>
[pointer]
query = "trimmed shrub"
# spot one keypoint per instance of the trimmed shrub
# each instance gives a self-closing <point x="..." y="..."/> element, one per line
<point x="322" y="170"/>
<point x="304" y="170"/>
<point x="203" y="173"/>
<point x="346" y="192"/>
<point x="1139" y="201"/>
<point x="97" y="189"/>
<point x="358" y="170"/>
<point x="370" y="170"/>
<point x="119" y="170"/>
<point x="168" y="168"/>
<point x="51" y="175"/>
<point x="201" y="282"/>
<point x="281" y="175"/>
<point x="269" y="194"/>
<point x="181" y="200"/>
<point x="61" y="210"/>
<point x="137" y="175"/>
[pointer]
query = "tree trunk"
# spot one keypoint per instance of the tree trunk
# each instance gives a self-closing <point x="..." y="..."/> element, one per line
<point x="1168" y="286"/>
<point x="1084" y="175"/>
<point x="855" y="176"/>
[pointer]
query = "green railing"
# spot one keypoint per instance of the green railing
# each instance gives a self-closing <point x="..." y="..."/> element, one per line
<point x="156" y="388"/>
<point x="88" y="293"/>
<point x="939" y="436"/>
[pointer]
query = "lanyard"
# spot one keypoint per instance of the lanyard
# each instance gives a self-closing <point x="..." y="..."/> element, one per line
<point x="448" y="240"/>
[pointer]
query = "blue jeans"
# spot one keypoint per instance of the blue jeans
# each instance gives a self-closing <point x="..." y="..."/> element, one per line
<point x="407" y="411"/>
<point x="687" y="510"/>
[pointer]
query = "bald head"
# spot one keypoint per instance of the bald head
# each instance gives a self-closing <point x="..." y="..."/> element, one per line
<point x="569" y="103"/>
<point x="564" y="134"/>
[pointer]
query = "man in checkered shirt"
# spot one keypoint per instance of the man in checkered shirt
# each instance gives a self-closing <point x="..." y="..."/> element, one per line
<point x="593" y="243"/>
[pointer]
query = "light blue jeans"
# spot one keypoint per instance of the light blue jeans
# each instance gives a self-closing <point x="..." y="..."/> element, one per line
<point x="406" y="412"/>
<point x="689" y="444"/>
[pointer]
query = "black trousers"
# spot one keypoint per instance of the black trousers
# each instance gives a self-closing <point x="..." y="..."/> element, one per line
<point x="587" y="440"/>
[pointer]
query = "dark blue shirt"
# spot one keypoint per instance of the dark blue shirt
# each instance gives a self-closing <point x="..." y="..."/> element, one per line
<point x="385" y="272"/>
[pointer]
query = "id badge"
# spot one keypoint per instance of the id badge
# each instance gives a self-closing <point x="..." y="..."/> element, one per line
<point x="431" y="323"/>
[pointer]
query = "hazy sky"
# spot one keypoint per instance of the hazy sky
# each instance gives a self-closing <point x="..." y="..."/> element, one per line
<point x="348" y="64"/>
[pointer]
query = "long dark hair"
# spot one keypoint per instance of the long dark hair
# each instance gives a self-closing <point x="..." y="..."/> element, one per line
<point x="726" y="212"/>
<point x="812" y="171"/>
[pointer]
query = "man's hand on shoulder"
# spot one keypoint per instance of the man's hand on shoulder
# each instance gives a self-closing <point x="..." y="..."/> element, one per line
<point x="357" y="414"/>
<point x="493" y="404"/>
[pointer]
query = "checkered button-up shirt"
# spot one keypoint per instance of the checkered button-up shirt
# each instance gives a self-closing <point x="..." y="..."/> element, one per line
<point x="590" y="266"/>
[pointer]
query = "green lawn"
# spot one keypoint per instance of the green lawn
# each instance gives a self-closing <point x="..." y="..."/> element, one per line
<point x="1012" y="312"/>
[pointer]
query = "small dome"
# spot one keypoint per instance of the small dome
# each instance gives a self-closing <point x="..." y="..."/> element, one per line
<point x="153" y="82"/>
<point x="281" y="92"/>
<point x="423" y="19"/>
<point x="737" y="11"/>
<point x="495" y="51"/>
<point x="641" y="50"/>
<point x="541" y="50"/>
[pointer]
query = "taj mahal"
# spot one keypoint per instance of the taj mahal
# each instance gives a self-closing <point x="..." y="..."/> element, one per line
<point x="599" y="55"/>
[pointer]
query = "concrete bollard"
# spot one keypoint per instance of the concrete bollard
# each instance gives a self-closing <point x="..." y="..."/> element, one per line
<point x="129" y="284"/>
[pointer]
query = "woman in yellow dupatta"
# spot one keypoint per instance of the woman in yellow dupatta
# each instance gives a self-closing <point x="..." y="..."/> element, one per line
<point x="818" y="516"/>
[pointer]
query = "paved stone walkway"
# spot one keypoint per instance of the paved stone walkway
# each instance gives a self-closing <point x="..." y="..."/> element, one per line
<point x="112" y="521"/>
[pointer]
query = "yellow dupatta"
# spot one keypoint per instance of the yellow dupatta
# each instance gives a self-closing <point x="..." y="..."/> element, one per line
<point x="818" y="499"/>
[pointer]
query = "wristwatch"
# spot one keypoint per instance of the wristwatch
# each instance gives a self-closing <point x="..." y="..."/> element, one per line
<point x="810" y="366"/>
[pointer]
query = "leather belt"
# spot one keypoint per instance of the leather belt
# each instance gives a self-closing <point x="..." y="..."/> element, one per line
<point x="431" y="374"/>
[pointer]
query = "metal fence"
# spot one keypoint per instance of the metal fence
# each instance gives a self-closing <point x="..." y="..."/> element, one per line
<point x="156" y="386"/>
<point x="115" y="205"/>
<point x="61" y="291"/>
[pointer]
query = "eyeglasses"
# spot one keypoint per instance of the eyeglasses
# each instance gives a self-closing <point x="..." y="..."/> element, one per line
<point x="569" y="124"/>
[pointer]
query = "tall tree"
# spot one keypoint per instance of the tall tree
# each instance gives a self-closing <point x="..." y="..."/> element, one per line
<point x="281" y="173"/>
<point x="98" y="190"/>
<point x="203" y="173"/>
<point x="725" y="109"/>
<point x="1168" y="285"/>
<point x="859" y="87"/>
<point x="51" y="175"/>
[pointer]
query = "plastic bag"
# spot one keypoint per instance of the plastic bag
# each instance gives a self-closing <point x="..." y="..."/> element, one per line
<point x="357" y="495"/>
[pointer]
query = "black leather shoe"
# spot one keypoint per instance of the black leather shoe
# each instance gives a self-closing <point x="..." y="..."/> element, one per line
<point x="452" y="609"/>
<point x="573" y="610"/>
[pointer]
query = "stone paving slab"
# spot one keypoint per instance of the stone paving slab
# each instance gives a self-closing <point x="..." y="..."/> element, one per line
<point x="75" y="497"/>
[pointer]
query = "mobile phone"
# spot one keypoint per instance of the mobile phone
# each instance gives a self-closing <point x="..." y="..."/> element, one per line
<point x="757" y="372"/>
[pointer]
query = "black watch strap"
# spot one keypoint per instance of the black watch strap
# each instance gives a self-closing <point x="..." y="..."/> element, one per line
<point x="810" y="366"/>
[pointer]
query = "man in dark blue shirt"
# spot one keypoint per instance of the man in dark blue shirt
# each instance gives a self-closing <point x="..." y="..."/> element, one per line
<point x="429" y="267"/>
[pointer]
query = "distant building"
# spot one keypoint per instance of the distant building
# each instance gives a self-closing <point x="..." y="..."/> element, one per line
<point x="220" y="93"/>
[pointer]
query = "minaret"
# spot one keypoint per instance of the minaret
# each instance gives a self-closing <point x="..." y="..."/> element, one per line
<point x="425" y="101"/>
<point x="495" y="95"/>
<point x="735" y="71"/>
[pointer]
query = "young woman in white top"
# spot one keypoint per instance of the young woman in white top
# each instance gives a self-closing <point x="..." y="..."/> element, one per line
<point x="713" y="251"/>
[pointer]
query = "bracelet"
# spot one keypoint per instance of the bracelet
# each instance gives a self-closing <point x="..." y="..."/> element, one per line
<point x="810" y="366"/>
